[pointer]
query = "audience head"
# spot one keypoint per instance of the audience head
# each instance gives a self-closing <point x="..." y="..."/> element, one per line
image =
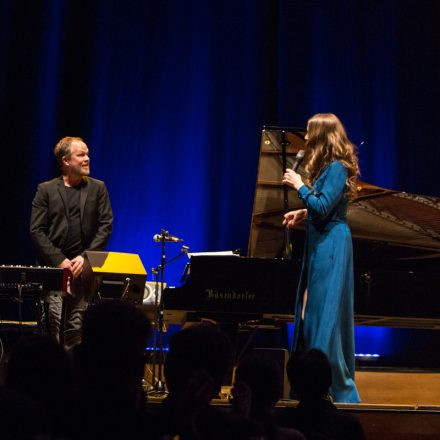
<point x="262" y="375"/>
<point x="114" y="338"/>
<point x="199" y="347"/>
<point x="39" y="368"/>
<point x="309" y="374"/>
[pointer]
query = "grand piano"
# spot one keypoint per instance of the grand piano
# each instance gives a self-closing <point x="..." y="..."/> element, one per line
<point x="396" y="241"/>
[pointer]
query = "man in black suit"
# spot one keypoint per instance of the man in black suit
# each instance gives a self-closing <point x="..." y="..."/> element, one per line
<point x="70" y="214"/>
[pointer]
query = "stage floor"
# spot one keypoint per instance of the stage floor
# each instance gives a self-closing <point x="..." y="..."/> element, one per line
<point x="399" y="387"/>
<point x="398" y="405"/>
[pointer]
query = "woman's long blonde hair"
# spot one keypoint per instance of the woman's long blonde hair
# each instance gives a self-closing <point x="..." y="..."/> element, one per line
<point x="327" y="141"/>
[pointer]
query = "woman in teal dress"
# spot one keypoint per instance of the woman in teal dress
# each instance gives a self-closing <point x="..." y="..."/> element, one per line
<point x="324" y="305"/>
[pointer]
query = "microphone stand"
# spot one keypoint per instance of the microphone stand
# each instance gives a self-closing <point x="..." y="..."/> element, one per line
<point x="287" y="251"/>
<point x="157" y="386"/>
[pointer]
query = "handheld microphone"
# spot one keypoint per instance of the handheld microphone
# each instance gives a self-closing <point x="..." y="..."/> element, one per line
<point x="166" y="237"/>
<point x="298" y="159"/>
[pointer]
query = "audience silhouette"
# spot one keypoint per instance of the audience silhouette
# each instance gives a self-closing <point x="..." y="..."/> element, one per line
<point x="109" y="365"/>
<point x="263" y="377"/>
<point x="198" y="361"/>
<point x="22" y="418"/>
<point x="316" y="416"/>
<point x="39" y="369"/>
<point x="95" y="391"/>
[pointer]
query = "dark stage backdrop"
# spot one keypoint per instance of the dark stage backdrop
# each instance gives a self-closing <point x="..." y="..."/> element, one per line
<point x="171" y="97"/>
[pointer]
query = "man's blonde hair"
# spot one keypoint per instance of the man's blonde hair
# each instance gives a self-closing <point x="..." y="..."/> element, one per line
<point x="62" y="148"/>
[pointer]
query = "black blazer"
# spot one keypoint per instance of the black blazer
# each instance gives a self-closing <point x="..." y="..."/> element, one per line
<point x="49" y="218"/>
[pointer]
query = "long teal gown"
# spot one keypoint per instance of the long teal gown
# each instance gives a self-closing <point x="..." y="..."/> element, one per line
<point x="327" y="273"/>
